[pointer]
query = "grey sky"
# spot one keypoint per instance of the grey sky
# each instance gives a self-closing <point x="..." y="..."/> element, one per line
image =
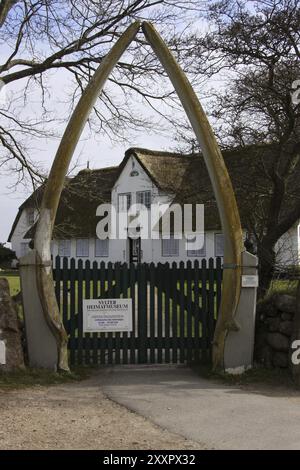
<point x="97" y="148"/>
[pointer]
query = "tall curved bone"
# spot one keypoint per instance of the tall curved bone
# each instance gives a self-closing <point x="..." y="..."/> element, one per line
<point x="54" y="186"/>
<point x="222" y="187"/>
<point x="217" y="171"/>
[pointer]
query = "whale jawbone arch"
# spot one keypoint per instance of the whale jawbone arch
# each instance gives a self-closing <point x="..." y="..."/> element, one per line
<point x="219" y="177"/>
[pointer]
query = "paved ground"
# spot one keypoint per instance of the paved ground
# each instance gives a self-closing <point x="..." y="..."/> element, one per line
<point x="77" y="416"/>
<point x="214" y="415"/>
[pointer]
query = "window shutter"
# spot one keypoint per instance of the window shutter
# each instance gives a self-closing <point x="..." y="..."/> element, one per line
<point x="64" y="248"/>
<point x="82" y="247"/>
<point x="201" y="252"/>
<point x="170" y="247"/>
<point x="144" y="197"/>
<point x="219" y="244"/>
<point x="101" y="247"/>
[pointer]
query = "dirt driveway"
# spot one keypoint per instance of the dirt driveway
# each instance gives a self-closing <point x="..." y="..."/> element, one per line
<point x="77" y="416"/>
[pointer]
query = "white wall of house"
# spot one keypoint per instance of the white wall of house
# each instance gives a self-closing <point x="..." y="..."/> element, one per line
<point x="288" y="248"/>
<point x="26" y="220"/>
<point x="152" y="250"/>
<point x="140" y="182"/>
<point x="133" y="179"/>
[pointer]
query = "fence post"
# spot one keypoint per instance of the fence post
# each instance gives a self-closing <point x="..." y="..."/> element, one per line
<point x="142" y="313"/>
<point x="41" y="344"/>
<point x="238" y="353"/>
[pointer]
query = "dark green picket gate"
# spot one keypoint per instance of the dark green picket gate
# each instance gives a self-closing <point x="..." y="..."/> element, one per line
<point x="174" y="310"/>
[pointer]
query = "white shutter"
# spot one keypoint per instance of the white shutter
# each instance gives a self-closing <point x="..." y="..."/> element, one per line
<point x="64" y="248"/>
<point x="24" y="248"/>
<point x="201" y="252"/>
<point x="101" y="247"/>
<point x="170" y="247"/>
<point x="144" y="197"/>
<point x="82" y="247"/>
<point x="124" y="202"/>
<point x="219" y="244"/>
<point x="30" y="216"/>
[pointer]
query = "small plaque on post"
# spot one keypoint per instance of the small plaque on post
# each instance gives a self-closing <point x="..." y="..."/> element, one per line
<point x="250" y="280"/>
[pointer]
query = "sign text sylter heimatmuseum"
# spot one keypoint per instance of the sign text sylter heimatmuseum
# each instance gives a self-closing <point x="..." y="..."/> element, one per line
<point x="107" y="315"/>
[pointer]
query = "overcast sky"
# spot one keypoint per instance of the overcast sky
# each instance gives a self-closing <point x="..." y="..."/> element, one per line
<point x="99" y="151"/>
<point x="96" y="149"/>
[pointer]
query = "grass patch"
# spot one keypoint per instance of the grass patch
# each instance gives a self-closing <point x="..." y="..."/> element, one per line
<point x="283" y="287"/>
<point x="258" y="375"/>
<point x="31" y="377"/>
<point x="13" y="281"/>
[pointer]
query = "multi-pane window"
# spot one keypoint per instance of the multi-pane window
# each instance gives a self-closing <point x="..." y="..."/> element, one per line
<point x="24" y="248"/>
<point x="30" y="216"/>
<point x="82" y="247"/>
<point x="170" y="247"/>
<point x="144" y="197"/>
<point x="198" y="252"/>
<point x="219" y="244"/>
<point x="124" y="202"/>
<point x="101" y="247"/>
<point x="64" y="248"/>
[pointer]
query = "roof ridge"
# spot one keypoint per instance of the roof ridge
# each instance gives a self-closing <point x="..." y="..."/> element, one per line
<point x="160" y="153"/>
<point x="98" y="169"/>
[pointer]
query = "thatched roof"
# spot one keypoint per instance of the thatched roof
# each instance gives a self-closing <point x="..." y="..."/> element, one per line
<point x="187" y="177"/>
<point x="183" y="175"/>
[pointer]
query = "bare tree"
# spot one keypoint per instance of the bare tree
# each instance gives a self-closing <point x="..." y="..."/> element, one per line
<point x="43" y="37"/>
<point x="254" y="48"/>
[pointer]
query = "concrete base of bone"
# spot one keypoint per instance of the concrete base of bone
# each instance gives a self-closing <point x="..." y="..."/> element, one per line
<point x="239" y="346"/>
<point x="41" y="344"/>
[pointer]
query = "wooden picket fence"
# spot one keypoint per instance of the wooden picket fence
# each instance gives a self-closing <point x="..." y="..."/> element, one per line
<point x="174" y="310"/>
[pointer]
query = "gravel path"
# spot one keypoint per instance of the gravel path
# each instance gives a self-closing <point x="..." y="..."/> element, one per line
<point x="77" y="416"/>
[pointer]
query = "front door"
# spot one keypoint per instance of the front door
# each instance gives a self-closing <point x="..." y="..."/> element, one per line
<point x="134" y="250"/>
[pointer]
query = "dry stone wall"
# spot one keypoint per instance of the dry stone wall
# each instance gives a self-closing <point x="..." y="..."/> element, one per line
<point x="274" y="328"/>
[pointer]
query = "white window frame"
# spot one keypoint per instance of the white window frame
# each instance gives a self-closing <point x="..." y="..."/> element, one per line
<point x="24" y="248"/>
<point x="172" y="250"/>
<point x="200" y="253"/>
<point x="128" y="199"/>
<point x="105" y="248"/>
<point x="30" y="216"/>
<point x="144" y="197"/>
<point x="217" y="253"/>
<point x="64" y="248"/>
<point x="80" y="252"/>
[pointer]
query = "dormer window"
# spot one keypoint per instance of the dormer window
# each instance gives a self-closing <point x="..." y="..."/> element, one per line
<point x="30" y="216"/>
<point x="144" y="197"/>
<point x="124" y="202"/>
<point x="134" y="172"/>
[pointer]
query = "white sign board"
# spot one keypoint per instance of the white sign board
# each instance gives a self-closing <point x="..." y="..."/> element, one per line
<point x="2" y="353"/>
<point x="107" y="315"/>
<point x="249" y="280"/>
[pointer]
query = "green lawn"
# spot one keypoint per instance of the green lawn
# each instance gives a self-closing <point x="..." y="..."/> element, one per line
<point x="13" y="280"/>
<point x="283" y="286"/>
<point x="31" y="377"/>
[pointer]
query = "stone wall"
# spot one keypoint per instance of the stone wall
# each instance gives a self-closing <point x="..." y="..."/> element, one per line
<point x="274" y="327"/>
<point x="10" y="331"/>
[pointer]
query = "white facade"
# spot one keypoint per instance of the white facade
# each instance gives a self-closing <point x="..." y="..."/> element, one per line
<point x="26" y="219"/>
<point x="288" y="248"/>
<point x="134" y="181"/>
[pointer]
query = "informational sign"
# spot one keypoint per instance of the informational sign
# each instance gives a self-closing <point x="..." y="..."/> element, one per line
<point x="2" y="353"/>
<point x="107" y="315"/>
<point x="249" y="280"/>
